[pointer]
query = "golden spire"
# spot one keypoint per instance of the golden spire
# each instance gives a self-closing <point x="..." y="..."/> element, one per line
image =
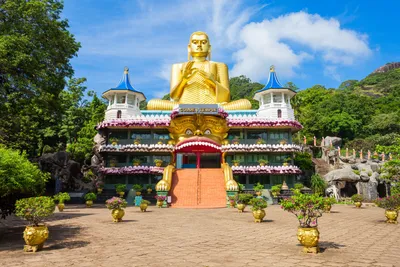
<point x="126" y="70"/>
<point x="272" y="68"/>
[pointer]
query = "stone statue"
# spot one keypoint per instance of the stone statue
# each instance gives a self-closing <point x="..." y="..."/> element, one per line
<point x="199" y="81"/>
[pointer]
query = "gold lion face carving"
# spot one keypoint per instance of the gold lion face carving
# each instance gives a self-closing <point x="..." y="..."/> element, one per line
<point x="212" y="127"/>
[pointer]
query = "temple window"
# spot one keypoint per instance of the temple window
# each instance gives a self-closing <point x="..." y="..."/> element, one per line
<point x="277" y="98"/>
<point x="279" y="113"/>
<point x="131" y="99"/>
<point x="119" y="114"/>
<point x="267" y="98"/>
<point x="121" y="99"/>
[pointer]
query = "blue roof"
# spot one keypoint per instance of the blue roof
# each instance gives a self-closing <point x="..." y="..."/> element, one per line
<point x="273" y="82"/>
<point x="125" y="83"/>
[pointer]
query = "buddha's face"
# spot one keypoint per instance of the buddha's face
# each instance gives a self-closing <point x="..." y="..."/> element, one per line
<point x="199" y="45"/>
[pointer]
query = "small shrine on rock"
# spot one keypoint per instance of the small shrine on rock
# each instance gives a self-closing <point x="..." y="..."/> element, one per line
<point x="196" y="147"/>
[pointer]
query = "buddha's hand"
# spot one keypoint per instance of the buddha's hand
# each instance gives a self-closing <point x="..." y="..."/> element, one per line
<point x="187" y="72"/>
<point x="208" y="78"/>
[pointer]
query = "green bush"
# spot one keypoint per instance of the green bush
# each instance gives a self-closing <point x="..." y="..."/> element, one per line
<point x="303" y="161"/>
<point x="357" y="198"/>
<point x="298" y="186"/>
<point x="329" y="201"/>
<point x="19" y="175"/>
<point x="258" y="204"/>
<point x="145" y="202"/>
<point x="244" y="198"/>
<point x="306" y="208"/>
<point x="276" y="189"/>
<point x="62" y="197"/>
<point x="318" y="184"/>
<point x="34" y="209"/>
<point x="389" y="203"/>
<point x="120" y="188"/>
<point x="241" y="187"/>
<point x="90" y="196"/>
<point x="137" y="187"/>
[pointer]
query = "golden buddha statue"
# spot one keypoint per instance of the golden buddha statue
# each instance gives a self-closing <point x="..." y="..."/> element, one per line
<point x="199" y="81"/>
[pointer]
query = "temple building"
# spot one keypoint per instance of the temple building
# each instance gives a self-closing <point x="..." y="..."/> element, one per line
<point x="196" y="153"/>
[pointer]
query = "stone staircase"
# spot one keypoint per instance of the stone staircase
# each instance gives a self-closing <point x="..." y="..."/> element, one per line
<point x="198" y="188"/>
<point x="321" y="166"/>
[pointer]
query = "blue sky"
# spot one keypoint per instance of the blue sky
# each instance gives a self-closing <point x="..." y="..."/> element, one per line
<point x="309" y="42"/>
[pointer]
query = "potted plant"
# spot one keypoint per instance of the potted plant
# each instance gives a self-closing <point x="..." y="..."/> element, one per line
<point x="296" y="189"/>
<point x="35" y="210"/>
<point x="357" y="199"/>
<point x="232" y="201"/>
<point x="113" y="162"/>
<point x="391" y="205"/>
<point x="260" y="141"/>
<point x="143" y="205"/>
<point x="235" y="140"/>
<point x="258" y="188"/>
<point x="114" y="141"/>
<point x="99" y="186"/>
<point x="160" y="141"/>
<point x="149" y="188"/>
<point x="61" y="198"/>
<point x="286" y="161"/>
<point x="137" y="188"/>
<point x="283" y="141"/>
<point x="120" y="189"/>
<point x="258" y="206"/>
<point x="158" y="162"/>
<point x="90" y="197"/>
<point x="263" y="162"/>
<point x="276" y="190"/>
<point x="137" y="140"/>
<point x="136" y="162"/>
<point x="116" y="205"/>
<point x="307" y="209"/>
<point x="242" y="201"/>
<point x="160" y="200"/>
<point x="241" y="187"/>
<point x="236" y="162"/>
<point x="328" y="202"/>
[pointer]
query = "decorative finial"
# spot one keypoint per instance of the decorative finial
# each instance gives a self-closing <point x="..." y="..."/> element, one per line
<point x="272" y="68"/>
<point x="126" y="70"/>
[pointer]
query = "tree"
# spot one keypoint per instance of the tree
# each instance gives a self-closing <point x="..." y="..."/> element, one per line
<point x="35" y="53"/>
<point x="18" y="177"/>
<point x="292" y="86"/>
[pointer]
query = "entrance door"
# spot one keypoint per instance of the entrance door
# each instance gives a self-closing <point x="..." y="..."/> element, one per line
<point x="210" y="160"/>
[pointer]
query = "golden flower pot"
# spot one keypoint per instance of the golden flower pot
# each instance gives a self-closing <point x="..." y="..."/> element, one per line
<point x="117" y="215"/>
<point x="149" y="191"/>
<point x="241" y="207"/>
<point x="262" y="164"/>
<point x="160" y="203"/>
<point x="114" y="143"/>
<point x="121" y="194"/>
<point x="60" y="206"/>
<point x="232" y="203"/>
<point x="158" y="164"/>
<point x="89" y="203"/>
<point x="99" y="190"/>
<point x="327" y="208"/>
<point x="143" y="207"/>
<point x="258" y="193"/>
<point x="34" y="237"/>
<point x="136" y="164"/>
<point x="258" y="215"/>
<point x="138" y="193"/>
<point x="136" y="142"/>
<point x="235" y="164"/>
<point x="309" y="238"/>
<point x="358" y="204"/>
<point x="391" y="216"/>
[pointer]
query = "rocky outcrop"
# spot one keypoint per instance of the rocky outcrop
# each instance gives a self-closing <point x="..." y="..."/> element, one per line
<point x="357" y="177"/>
<point x="387" y="67"/>
<point x="336" y="141"/>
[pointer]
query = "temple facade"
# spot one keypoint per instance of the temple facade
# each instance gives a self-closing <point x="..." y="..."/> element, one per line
<point x="197" y="153"/>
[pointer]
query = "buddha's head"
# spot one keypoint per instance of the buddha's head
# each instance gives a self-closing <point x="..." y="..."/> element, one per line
<point x="199" y="45"/>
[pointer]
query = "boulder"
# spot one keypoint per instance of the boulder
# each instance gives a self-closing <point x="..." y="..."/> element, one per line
<point x="336" y="141"/>
<point x="345" y="174"/>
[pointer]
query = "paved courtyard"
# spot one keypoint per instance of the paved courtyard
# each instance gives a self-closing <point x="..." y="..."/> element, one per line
<point x="206" y="237"/>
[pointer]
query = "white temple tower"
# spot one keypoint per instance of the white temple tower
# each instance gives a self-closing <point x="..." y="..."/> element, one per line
<point x="123" y="100"/>
<point x="274" y="99"/>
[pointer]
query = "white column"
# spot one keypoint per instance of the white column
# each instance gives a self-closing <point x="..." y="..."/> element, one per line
<point x="115" y="99"/>
<point x="283" y="99"/>
<point x="126" y="100"/>
<point x="272" y="99"/>
<point x="262" y="100"/>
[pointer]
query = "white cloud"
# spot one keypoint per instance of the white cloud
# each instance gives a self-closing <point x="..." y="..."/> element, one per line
<point x="331" y="71"/>
<point x="289" y="40"/>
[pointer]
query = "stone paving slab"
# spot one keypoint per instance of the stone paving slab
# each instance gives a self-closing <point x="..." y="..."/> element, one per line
<point x="82" y="236"/>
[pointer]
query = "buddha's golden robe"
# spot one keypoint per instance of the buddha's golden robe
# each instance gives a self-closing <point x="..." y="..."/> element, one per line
<point x="198" y="89"/>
